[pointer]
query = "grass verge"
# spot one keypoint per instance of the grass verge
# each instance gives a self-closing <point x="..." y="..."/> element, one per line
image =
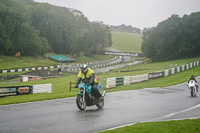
<point x="181" y="126"/>
<point x="127" y="42"/>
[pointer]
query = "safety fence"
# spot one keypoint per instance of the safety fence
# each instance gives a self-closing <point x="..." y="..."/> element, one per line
<point x="67" y="68"/>
<point x="28" y="69"/>
<point x="21" y="90"/>
<point x="127" y="80"/>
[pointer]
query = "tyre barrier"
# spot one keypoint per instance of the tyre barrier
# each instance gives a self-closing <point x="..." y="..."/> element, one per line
<point x="111" y="83"/>
<point x="127" y="80"/>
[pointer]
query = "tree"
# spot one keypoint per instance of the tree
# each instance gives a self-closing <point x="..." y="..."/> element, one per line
<point x="18" y="35"/>
<point x="125" y="28"/>
<point x="36" y="28"/>
<point x="174" y="38"/>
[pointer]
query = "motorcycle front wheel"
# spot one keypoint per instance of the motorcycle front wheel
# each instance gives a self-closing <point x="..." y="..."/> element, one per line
<point x="80" y="103"/>
<point x="100" y="104"/>
<point x="192" y="92"/>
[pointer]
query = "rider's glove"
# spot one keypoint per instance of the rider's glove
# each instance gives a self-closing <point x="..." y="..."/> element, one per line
<point x="76" y="86"/>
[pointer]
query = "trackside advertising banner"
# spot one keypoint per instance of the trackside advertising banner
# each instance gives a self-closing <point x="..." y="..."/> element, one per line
<point x="15" y="90"/>
<point x="24" y="90"/>
<point x="155" y="75"/>
<point x="8" y="91"/>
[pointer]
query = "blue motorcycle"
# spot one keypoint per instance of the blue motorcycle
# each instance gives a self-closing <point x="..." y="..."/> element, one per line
<point x="85" y="98"/>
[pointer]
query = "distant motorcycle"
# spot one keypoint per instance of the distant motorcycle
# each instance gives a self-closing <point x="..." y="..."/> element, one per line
<point x="84" y="97"/>
<point x="192" y="85"/>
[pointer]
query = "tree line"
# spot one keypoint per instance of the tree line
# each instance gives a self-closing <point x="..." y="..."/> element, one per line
<point x="36" y="28"/>
<point x="174" y="38"/>
<point x="125" y="28"/>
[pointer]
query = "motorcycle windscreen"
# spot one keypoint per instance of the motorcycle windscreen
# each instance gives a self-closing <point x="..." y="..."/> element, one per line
<point x="81" y="86"/>
<point x="191" y="83"/>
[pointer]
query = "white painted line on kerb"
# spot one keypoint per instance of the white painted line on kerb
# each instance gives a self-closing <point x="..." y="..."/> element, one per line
<point x="172" y="114"/>
<point x="160" y="118"/>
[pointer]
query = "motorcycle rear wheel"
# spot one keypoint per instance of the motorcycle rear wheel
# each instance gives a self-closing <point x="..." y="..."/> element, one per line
<point x="80" y="103"/>
<point x="100" y="104"/>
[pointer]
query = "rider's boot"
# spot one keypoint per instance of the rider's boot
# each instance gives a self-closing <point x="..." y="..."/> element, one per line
<point x="91" y="97"/>
<point x="104" y="93"/>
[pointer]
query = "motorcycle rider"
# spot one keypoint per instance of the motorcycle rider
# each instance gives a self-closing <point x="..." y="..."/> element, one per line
<point x="86" y="75"/>
<point x="193" y="78"/>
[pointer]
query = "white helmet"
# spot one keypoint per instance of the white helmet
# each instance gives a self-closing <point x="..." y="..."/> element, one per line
<point x="84" y="68"/>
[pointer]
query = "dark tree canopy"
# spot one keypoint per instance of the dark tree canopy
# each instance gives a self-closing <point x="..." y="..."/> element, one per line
<point x="125" y="28"/>
<point x="174" y="38"/>
<point x="35" y="28"/>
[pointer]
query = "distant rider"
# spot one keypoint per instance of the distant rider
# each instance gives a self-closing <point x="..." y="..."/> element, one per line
<point x="86" y="75"/>
<point x="193" y="78"/>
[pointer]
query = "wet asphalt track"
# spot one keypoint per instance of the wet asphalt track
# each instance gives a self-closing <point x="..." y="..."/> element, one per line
<point x="121" y="108"/>
<point x="106" y="69"/>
